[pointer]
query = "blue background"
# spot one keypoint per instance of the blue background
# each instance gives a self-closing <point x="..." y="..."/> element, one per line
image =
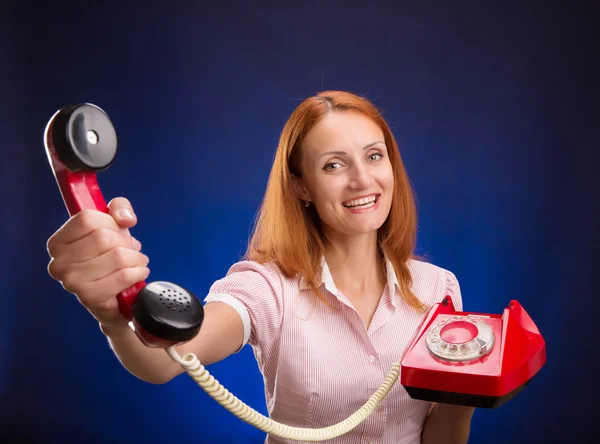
<point x="496" y="110"/>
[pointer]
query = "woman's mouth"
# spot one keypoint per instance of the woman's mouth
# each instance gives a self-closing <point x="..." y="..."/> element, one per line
<point x="362" y="204"/>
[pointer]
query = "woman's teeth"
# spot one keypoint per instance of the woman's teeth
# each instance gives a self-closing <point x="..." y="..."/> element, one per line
<point x="365" y="202"/>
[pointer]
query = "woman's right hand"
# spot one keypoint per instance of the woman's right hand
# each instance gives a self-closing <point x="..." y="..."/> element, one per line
<point x="94" y="257"/>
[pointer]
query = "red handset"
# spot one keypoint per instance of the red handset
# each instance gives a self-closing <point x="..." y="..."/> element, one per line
<point x="81" y="141"/>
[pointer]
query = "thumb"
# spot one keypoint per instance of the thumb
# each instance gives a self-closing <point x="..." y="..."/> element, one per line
<point x="122" y="212"/>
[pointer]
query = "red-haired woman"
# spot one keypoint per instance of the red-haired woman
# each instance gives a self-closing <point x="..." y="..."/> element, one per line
<point x="328" y="295"/>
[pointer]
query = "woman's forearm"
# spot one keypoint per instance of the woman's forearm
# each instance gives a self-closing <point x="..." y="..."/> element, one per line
<point x="447" y="424"/>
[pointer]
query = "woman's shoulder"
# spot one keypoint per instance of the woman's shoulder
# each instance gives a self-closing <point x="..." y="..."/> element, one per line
<point x="421" y="267"/>
<point x="433" y="282"/>
<point x="243" y="265"/>
<point x="251" y="270"/>
<point x="251" y="281"/>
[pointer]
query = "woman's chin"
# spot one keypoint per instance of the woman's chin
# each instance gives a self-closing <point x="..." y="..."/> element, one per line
<point x="365" y="228"/>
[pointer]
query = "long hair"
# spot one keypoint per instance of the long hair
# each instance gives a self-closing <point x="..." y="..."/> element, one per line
<point x="289" y="234"/>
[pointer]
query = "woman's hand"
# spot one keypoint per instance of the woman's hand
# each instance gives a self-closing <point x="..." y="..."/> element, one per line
<point x="94" y="257"/>
<point x="447" y="424"/>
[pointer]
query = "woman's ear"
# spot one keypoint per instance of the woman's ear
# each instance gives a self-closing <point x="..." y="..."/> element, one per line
<point x="300" y="189"/>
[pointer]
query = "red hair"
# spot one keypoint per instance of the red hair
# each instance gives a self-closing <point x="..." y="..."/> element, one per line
<point x="289" y="234"/>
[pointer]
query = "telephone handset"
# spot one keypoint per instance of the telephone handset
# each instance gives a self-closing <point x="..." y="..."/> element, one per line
<point x="81" y="141"/>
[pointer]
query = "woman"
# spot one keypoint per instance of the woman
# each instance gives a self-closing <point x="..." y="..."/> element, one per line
<point x="329" y="293"/>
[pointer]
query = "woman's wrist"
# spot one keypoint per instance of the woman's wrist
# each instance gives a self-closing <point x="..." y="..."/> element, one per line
<point x="112" y="331"/>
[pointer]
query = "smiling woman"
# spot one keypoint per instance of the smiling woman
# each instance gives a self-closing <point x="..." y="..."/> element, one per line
<point x="329" y="293"/>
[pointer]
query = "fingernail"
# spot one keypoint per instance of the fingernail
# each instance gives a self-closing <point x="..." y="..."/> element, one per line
<point x="137" y="245"/>
<point x="125" y="213"/>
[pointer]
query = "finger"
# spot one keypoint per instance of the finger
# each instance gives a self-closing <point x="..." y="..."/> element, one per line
<point x="78" y="226"/>
<point x="107" y="263"/>
<point x="95" y="244"/>
<point x="121" y="210"/>
<point x="108" y="287"/>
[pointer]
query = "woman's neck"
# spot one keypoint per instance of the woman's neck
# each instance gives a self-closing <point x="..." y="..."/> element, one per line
<point x="356" y="263"/>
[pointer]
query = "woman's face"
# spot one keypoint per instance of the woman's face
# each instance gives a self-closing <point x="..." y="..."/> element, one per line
<point x="347" y="173"/>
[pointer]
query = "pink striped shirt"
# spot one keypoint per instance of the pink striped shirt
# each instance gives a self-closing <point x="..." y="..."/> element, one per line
<point x="321" y="365"/>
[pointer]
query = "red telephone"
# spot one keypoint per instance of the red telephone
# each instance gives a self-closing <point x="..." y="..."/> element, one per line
<point x="80" y="141"/>
<point x="472" y="359"/>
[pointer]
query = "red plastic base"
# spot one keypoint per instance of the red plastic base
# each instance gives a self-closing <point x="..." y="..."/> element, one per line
<point x="518" y="353"/>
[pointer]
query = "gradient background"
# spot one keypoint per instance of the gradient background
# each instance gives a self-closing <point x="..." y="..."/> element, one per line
<point x="495" y="108"/>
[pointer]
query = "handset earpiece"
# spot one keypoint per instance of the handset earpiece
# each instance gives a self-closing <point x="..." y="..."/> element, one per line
<point x="80" y="142"/>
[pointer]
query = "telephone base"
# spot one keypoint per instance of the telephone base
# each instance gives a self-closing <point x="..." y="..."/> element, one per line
<point x="464" y="399"/>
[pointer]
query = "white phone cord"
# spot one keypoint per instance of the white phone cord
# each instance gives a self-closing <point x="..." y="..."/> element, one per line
<point x="192" y="366"/>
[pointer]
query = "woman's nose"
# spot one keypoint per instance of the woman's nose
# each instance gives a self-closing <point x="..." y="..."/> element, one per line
<point x="360" y="177"/>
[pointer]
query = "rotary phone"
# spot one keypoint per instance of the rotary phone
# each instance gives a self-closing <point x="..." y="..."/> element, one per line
<point x="470" y="359"/>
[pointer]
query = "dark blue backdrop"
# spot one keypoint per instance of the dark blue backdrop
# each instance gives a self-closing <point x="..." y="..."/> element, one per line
<point x="496" y="111"/>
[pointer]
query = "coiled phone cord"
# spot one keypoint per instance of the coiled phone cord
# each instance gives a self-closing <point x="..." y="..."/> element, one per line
<point x="210" y="385"/>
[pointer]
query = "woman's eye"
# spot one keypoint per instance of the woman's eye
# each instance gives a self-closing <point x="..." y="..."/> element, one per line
<point x="331" y="166"/>
<point x="375" y="156"/>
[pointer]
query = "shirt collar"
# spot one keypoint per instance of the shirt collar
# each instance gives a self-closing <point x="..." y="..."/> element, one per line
<point x="327" y="279"/>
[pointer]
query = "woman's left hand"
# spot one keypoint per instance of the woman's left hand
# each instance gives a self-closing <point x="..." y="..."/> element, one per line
<point x="448" y="424"/>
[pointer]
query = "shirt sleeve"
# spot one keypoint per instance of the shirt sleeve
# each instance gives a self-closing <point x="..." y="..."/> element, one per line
<point x="255" y="291"/>
<point x="453" y="290"/>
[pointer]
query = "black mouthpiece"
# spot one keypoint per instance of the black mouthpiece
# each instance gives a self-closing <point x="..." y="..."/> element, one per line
<point x="168" y="311"/>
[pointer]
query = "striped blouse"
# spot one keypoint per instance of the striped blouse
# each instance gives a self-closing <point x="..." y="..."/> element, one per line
<point x="321" y="365"/>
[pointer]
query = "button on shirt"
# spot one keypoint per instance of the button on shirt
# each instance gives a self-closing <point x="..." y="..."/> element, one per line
<point x="321" y="364"/>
